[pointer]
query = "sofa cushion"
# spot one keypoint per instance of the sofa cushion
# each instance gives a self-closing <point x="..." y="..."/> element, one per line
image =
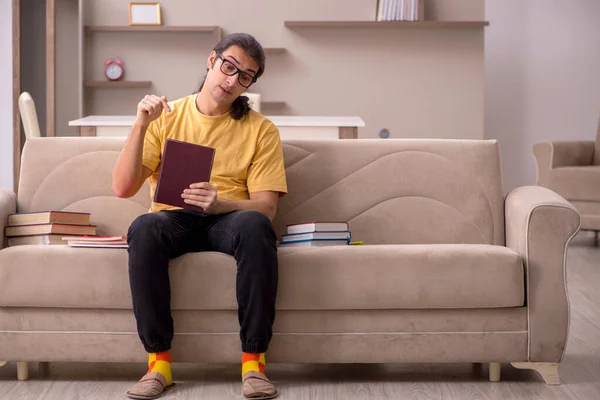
<point x="576" y="183"/>
<point x="341" y="277"/>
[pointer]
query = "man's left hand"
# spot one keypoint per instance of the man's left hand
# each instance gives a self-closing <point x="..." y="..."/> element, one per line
<point x="204" y="195"/>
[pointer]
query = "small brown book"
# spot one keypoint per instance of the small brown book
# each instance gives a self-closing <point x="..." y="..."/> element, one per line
<point x="183" y="163"/>
<point x="49" y="217"/>
<point x="50" y="229"/>
<point x="35" y="239"/>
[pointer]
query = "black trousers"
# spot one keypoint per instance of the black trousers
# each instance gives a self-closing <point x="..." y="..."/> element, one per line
<point x="248" y="236"/>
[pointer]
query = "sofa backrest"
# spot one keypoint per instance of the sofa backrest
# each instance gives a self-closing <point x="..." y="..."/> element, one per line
<point x="390" y="191"/>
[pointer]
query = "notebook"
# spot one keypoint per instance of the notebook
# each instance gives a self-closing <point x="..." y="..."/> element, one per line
<point x="182" y="164"/>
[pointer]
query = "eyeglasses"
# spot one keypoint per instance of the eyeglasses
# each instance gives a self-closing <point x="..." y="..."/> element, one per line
<point x="229" y="69"/>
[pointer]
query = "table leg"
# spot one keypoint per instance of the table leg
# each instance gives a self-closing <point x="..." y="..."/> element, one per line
<point x="348" y="132"/>
<point x="87" y="130"/>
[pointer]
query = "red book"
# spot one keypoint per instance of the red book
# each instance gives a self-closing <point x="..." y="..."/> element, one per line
<point x="182" y="164"/>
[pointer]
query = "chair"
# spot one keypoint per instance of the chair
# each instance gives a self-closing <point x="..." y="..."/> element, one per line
<point x="572" y="169"/>
<point x="29" y="116"/>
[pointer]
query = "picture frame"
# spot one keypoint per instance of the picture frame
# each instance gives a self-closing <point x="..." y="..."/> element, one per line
<point x="144" y="14"/>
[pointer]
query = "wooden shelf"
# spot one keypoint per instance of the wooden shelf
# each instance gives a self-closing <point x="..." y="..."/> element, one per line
<point x="274" y="50"/>
<point x="125" y="28"/>
<point x="273" y="104"/>
<point x="387" y="24"/>
<point x="120" y="84"/>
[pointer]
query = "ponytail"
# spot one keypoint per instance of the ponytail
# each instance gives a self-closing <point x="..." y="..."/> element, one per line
<point x="240" y="107"/>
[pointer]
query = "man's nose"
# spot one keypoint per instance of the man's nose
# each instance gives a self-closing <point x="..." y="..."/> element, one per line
<point x="232" y="80"/>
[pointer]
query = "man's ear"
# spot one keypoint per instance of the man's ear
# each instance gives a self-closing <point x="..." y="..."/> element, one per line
<point x="211" y="59"/>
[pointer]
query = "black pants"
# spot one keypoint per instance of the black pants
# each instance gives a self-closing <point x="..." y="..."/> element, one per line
<point x="248" y="236"/>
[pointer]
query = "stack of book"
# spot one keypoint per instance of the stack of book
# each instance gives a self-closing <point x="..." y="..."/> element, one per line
<point x="316" y="234"/>
<point x="46" y="227"/>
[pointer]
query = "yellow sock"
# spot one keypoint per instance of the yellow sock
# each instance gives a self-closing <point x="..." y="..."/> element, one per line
<point x="253" y="362"/>
<point x="161" y="362"/>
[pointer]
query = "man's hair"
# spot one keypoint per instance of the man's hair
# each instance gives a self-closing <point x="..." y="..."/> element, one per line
<point x="254" y="50"/>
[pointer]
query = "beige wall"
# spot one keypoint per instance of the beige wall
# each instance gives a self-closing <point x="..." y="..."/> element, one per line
<point x="416" y="83"/>
<point x="6" y="95"/>
<point x="542" y="77"/>
<point x="66" y="64"/>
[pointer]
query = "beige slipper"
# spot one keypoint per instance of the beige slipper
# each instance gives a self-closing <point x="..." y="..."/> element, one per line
<point x="151" y="386"/>
<point x="258" y="386"/>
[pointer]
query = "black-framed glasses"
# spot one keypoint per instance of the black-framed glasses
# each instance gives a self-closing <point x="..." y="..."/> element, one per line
<point x="229" y="69"/>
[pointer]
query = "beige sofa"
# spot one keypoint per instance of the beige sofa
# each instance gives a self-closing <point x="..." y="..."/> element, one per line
<point x="572" y="169"/>
<point x="451" y="271"/>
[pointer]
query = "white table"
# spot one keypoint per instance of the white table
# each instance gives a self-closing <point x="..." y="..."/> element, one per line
<point x="290" y="127"/>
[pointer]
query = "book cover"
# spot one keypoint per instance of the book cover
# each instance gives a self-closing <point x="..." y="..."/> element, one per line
<point x="50" y="229"/>
<point x="103" y="245"/>
<point x="294" y="237"/>
<point x="318" y="226"/>
<point x="49" y="217"/>
<point x="315" y="243"/>
<point x="87" y="238"/>
<point x="35" y="240"/>
<point x="182" y="164"/>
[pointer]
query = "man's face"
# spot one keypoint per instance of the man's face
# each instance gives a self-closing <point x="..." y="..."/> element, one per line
<point x="226" y="88"/>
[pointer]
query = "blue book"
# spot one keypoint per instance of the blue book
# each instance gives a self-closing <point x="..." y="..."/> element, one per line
<point x="315" y="243"/>
<point x="294" y="237"/>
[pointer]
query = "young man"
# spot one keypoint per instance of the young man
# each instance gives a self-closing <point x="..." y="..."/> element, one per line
<point x="239" y="205"/>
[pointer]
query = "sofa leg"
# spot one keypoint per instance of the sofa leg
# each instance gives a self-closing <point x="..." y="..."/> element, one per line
<point x="22" y="370"/>
<point x="548" y="371"/>
<point x="494" y="372"/>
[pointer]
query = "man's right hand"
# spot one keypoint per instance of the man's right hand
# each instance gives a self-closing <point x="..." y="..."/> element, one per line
<point x="150" y="109"/>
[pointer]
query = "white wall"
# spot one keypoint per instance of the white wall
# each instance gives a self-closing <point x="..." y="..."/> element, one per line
<point x="6" y="93"/>
<point x="542" y="77"/>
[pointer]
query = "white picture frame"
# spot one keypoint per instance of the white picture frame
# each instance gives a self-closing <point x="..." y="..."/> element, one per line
<point x="144" y="14"/>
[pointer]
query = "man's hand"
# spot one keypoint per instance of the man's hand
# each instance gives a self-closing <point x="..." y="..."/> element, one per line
<point x="149" y="109"/>
<point x="204" y="195"/>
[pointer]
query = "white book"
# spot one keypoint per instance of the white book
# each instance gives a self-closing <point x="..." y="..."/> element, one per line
<point x="318" y="226"/>
<point x="414" y="10"/>
<point x="106" y="245"/>
<point x="400" y="13"/>
<point x="379" y="16"/>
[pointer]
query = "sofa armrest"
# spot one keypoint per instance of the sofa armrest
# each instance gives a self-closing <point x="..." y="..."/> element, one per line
<point x="8" y="205"/>
<point x="539" y="226"/>
<point x="550" y="155"/>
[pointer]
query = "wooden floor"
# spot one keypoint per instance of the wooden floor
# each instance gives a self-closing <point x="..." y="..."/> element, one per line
<point x="579" y="372"/>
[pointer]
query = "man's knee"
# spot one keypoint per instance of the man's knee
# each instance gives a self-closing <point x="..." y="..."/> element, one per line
<point x="251" y="226"/>
<point x="249" y="223"/>
<point x="145" y="226"/>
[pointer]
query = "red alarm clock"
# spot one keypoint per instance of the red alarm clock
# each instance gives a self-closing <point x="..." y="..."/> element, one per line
<point x="113" y="69"/>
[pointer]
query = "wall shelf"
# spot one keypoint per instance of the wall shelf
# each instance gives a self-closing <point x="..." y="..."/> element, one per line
<point x="387" y="24"/>
<point x="213" y="29"/>
<point x="274" y="50"/>
<point x="273" y="104"/>
<point x="120" y="84"/>
<point x="125" y="28"/>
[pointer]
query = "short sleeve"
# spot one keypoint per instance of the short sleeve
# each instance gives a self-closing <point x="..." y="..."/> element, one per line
<point x="153" y="144"/>
<point x="267" y="171"/>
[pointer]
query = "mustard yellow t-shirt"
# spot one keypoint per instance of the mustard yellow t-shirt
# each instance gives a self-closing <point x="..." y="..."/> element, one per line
<point x="248" y="155"/>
